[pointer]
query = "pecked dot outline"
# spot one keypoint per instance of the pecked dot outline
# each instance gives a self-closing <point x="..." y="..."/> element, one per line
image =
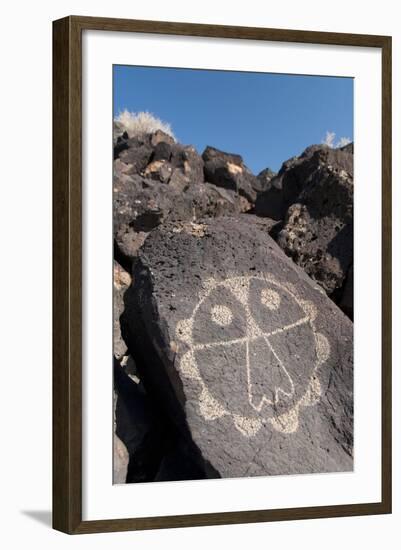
<point x="209" y="406"/>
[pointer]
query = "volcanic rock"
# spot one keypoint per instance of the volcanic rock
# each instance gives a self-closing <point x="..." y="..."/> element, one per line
<point x="186" y="160"/>
<point x="296" y="174"/>
<point x="241" y="350"/>
<point x="263" y="179"/>
<point x="313" y="195"/>
<point x="349" y="148"/>
<point x="269" y="201"/>
<point x="318" y="228"/>
<point x="229" y="171"/>
<point x="138" y="427"/>
<point x="141" y="204"/>
<point x="179" y="464"/>
<point x="160" y="136"/>
<point x="158" y="156"/>
<point x="121" y="281"/>
<point x="134" y="152"/>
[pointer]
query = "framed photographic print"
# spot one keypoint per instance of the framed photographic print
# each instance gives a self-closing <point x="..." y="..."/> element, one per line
<point x="222" y="274"/>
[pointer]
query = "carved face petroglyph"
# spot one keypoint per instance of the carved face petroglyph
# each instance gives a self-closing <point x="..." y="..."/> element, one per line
<point x="258" y="335"/>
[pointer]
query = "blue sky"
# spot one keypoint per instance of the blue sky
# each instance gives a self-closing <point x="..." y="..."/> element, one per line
<point x="266" y="118"/>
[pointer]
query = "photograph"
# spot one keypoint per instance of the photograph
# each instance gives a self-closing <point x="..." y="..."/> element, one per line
<point x="232" y="274"/>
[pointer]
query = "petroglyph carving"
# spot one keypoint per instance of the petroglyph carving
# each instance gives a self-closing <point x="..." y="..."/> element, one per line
<point x="221" y="315"/>
<point x="259" y="324"/>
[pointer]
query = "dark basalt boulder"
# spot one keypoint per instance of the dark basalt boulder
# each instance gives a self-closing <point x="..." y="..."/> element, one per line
<point x="188" y="162"/>
<point x="318" y="229"/>
<point x="242" y="351"/>
<point x="313" y="195"/>
<point x="349" y="148"/>
<point x="263" y="179"/>
<point x="160" y="158"/>
<point x="120" y="144"/>
<point x="175" y="164"/>
<point x="295" y="175"/>
<point x="134" y="152"/>
<point x="160" y="136"/>
<point x="155" y="179"/>
<point x="229" y="171"/>
<point x="162" y="151"/>
<point x="141" y="204"/>
<point x="179" y="464"/>
<point x="141" y="429"/>
<point x="269" y="201"/>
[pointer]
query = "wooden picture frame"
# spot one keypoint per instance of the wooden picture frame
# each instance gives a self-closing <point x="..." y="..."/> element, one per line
<point x="67" y="274"/>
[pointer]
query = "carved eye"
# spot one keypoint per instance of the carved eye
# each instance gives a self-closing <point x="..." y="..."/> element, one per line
<point x="272" y="306"/>
<point x="222" y="315"/>
<point x="270" y="298"/>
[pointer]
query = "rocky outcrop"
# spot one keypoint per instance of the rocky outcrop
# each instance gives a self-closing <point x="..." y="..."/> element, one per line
<point x="318" y="227"/>
<point x="269" y="202"/>
<point x="313" y="195"/>
<point x="230" y="358"/>
<point x="229" y="171"/>
<point x="159" y="157"/>
<point x="141" y="204"/>
<point x="263" y="179"/>
<point x="156" y="179"/>
<point x="247" y="358"/>
<point x="296" y="174"/>
<point x="349" y="148"/>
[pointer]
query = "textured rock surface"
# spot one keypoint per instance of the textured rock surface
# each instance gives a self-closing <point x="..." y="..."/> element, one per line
<point x="244" y="355"/>
<point x="159" y="157"/>
<point x="141" y="204"/>
<point x="121" y="281"/>
<point x="238" y="364"/>
<point x="313" y="195"/>
<point x="137" y="428"/>
<point x="269" y="201"/>
<point x="263" y="179"/>
<point x="295" y="175"/>
<point x="147" y="447"/>
<point x="229" y="171"/>
<point x="318" y="228"/>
